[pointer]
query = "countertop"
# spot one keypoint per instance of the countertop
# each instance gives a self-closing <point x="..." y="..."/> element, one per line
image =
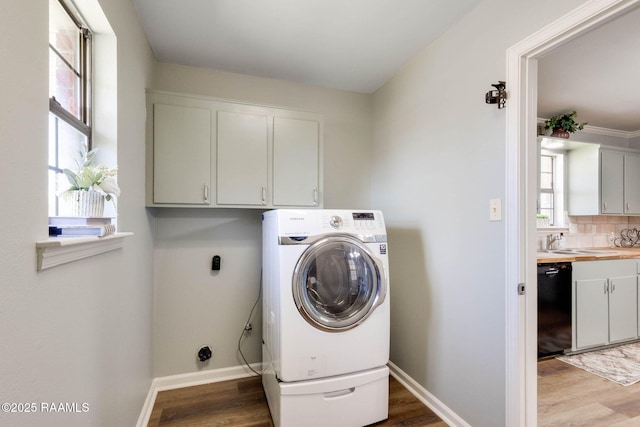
<point x="613" y="253"/>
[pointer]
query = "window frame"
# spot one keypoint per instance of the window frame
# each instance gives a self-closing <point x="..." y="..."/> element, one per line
<point x="84" y="73"/>
<point x="557" y="190"/>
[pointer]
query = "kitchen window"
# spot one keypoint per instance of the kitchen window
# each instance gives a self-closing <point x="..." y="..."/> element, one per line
<point x="69" y="94"/>
<point x="551" y="187"/>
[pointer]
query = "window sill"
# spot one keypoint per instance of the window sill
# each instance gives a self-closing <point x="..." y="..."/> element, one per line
<point x="553" y="229"/>
<point x="61" y="250"/>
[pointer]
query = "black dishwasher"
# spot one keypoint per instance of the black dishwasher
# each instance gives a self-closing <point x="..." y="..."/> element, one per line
<point x="554" y="308"/>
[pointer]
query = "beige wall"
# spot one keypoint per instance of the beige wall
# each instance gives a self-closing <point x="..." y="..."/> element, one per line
<point x="440" y="154"/>
<point x="78" y="332"/>
<point x="194" y="306"/>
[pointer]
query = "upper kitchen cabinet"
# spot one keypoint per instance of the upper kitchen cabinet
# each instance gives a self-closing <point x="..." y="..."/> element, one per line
<point x="243" y="142"/>
<point x="204" y="152"/>
<point x="296" y="151"/>
<point x="181" y="137"/>
<point x="603" y="181"/>
<point x="632" y="184"/>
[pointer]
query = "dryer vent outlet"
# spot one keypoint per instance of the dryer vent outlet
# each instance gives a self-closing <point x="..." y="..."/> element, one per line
<point x="205" y="353"/>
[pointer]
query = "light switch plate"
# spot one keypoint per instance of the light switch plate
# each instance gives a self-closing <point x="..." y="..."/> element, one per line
<point x="495" y="210"/>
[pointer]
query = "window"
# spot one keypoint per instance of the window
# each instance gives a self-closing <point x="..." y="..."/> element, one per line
<point x="551" y="187"/>
<point x="69" y="94"/>
<point x="546" y="187"/>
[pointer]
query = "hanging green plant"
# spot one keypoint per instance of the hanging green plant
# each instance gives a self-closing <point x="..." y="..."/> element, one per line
<point x="563" y="124"/>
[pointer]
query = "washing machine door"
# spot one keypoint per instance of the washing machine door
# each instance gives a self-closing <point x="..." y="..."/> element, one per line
<point x="338" y="283"/>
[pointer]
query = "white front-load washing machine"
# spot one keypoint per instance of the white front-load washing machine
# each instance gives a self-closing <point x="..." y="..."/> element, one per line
<point x="325" y="317"/>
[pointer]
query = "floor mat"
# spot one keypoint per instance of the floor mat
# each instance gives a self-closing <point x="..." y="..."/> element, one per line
<point x="618" y="364"/>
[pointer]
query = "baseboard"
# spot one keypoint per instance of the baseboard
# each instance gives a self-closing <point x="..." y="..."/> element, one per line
<point x="440" y="409"/>
<point x="188" y="380"/>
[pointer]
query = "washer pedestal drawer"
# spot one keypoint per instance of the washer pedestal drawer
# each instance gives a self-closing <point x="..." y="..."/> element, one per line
<point x="350" y="400"/>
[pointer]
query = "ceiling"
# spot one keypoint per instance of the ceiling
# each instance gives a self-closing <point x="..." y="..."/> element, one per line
<point x="358" y="45"/>
<point x="597" y="75"/>
<point x="354" y="45"/>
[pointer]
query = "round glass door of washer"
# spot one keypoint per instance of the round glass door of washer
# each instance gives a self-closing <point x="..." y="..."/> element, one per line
<point x="337" y="283"/>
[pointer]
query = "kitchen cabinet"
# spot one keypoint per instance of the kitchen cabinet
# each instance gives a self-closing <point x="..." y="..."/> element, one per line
<point x="295" y="155"/>
<point x="603" y="181"/>
<point x="605" y="308"/>
<point x="204" y="152"/>
<point x="182" y="136"/>
<point x="242" y="159"/>
<point x="611" y="182"/>
<point x="632" y="184"/>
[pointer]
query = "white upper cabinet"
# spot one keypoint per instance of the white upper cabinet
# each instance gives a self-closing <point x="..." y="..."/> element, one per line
<point x="603" y="181"/>
<point x="242" y="159"/>
<point x="632" y="184"/>
<point x="295" y="162"/>
<point x="611" y="182"/>
<point x="182" y="136"/>
<point x="203" y="152"/>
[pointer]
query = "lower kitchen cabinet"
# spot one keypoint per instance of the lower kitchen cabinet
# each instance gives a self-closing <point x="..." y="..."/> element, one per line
<point x="605" y="309"/>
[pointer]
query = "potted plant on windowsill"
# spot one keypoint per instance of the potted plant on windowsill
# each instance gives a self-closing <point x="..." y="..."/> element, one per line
<point x="90" y="185"/>
<point x="563" y="125"/>
<point x="542" y="221"/>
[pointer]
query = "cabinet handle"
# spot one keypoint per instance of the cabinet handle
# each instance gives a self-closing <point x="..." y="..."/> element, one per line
<point x="612" y="287"/>
<point x="605" y="286"/>
<point x="205" y="193"/>
<point x="604" y="206"/>
<point x="264" y="195"/>
<point x="315" y="196"/>
<point x="627" y="207"/>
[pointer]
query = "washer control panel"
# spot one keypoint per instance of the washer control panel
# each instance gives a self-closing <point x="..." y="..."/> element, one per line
<point x="335" y="221"/>
<point x="353" y="221"/>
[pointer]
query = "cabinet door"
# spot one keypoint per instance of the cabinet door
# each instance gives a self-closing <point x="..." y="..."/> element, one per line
<point x="295" y="162"/>
<point x="181" y="154"/>
<point x="242" y="159"/>
<point x="631" y="184"/>
<point x="623" y="311"/>
<point x="611" y="182"/>
<point x="592" y="320"/>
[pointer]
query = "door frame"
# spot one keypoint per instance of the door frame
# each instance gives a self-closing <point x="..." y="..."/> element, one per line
<point x="521" y="175"/>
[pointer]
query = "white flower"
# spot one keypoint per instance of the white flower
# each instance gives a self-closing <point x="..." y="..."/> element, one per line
<point x="109" y="187"/>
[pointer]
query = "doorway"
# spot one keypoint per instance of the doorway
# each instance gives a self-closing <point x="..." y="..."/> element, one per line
<point x="521" y="192"/>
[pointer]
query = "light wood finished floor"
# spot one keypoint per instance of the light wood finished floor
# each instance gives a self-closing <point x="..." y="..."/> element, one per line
<point x="241" y="403"/>
<point x="569" y="396"/>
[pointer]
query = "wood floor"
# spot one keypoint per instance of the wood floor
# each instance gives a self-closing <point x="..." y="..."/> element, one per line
<point x="569" y="396"/>
<point x="241" y="403"/>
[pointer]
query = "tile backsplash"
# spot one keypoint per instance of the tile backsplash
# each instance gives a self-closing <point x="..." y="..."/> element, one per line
<point x="590" y="231"/>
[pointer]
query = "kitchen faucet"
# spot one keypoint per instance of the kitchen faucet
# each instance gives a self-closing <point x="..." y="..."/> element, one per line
<point x="551" y="238"/>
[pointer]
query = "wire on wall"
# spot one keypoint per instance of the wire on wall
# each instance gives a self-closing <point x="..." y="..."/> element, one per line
<point x="247" y="327"/>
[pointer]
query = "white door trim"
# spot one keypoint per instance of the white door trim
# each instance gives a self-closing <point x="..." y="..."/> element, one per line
<point x="522" y="87"/>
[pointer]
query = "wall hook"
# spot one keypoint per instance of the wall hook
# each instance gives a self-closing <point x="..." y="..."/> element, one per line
<point x="497" y="96"/>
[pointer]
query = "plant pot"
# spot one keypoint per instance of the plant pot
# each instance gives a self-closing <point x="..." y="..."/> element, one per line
<point x="86" y="203"/>
<point x="542" y="222"/>
<point x="559" y="133"/>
